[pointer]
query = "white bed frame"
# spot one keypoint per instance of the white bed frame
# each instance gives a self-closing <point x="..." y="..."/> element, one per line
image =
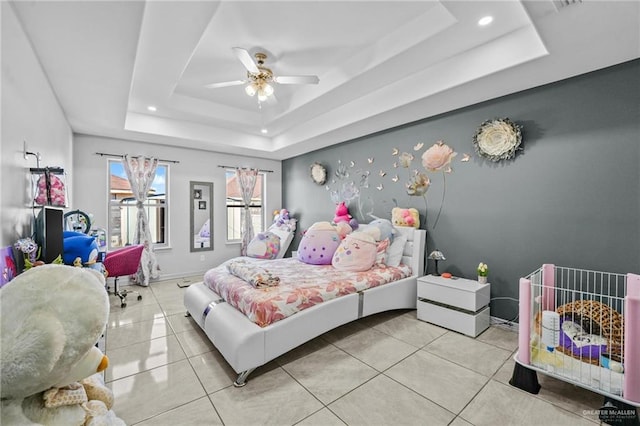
<point x="246" y="346"/>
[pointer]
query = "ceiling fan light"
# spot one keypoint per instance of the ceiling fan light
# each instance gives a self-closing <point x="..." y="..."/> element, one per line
<point x="267" y="89"/>
<point x="262" y="96"/>
<point x="250" y="89"/>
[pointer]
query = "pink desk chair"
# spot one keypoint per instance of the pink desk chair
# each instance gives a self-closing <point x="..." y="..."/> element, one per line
<point x="121" y="262"/>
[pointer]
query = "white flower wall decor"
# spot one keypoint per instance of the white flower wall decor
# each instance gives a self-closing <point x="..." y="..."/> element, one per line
<point x="498" y="139"/>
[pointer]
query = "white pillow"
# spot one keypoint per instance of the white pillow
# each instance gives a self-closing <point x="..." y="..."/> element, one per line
<point x="395" y="250"/>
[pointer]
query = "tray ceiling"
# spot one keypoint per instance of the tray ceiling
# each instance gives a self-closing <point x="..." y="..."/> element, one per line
<point x="380" y="63"/>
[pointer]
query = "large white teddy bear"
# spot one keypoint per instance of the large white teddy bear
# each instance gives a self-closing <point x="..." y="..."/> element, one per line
<point x="51" y="317"/>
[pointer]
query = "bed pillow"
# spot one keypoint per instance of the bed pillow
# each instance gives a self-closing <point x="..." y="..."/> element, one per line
<point x="265" y="245"/>
<point x="356" y="253"/>
<point x="318" y="244"/>
<point x="395" y="250"/>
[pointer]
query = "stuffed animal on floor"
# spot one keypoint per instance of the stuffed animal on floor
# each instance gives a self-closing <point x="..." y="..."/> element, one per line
<point x="52" y="316"/>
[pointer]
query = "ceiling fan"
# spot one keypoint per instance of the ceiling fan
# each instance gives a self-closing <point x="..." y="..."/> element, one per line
<point x="259" y="77"/>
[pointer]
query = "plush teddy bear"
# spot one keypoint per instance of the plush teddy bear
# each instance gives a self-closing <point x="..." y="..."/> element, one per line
<point x="342" y="213"/>
<point x="52" y="316"/>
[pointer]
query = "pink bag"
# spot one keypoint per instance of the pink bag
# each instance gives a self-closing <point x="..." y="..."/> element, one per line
<point x="50" y="190"/>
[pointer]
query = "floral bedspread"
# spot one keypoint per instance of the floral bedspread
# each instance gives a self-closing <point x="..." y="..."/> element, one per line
<point x="301" y="286"/>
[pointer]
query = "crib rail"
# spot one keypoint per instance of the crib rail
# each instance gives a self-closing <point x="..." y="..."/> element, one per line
<point x="583" y="326"/>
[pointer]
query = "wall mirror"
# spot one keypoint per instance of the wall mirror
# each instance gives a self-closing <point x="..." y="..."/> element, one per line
<point x="201" y="195"/>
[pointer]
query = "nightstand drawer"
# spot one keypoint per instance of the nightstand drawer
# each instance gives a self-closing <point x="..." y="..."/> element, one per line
<point x="458" y="293"/>
<point x="465" y="322"/>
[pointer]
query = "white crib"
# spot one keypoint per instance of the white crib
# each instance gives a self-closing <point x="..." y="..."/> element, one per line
<point x="582" y="327"/>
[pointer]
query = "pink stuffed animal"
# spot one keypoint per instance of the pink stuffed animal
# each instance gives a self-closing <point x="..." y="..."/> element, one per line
<point x="342" y="213"/>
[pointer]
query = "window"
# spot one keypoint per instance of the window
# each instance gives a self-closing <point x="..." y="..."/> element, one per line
<point x="235" y="206"/>
<point x="123" y="211"/>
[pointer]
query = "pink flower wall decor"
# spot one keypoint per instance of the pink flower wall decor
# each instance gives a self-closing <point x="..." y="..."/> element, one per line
<point x="438" y="157"/>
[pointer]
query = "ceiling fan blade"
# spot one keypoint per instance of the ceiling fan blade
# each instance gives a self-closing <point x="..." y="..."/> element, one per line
<point x="224" y="84"/>
<point x="297" y="79"/>
<point x="246" y="60"/>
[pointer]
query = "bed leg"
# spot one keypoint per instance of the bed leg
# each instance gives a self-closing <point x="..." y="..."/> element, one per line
<point x="525" y="379"/>
<point x="187" y="314"/>
<point x="241" y="380"/>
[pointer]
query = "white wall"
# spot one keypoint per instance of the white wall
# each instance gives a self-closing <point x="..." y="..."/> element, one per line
<point x="31" y="113"/>
<point x="91" y="186"/>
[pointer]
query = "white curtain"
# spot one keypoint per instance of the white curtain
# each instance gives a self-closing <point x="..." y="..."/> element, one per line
<point x="247" y="181"/>
<point x="141" y="171"/>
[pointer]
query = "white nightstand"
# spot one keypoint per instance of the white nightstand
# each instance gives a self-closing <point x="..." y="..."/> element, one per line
<point x="458" y="304"/>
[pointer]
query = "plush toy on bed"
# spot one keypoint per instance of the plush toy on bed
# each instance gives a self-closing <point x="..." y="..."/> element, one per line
<point x="380" y="230"/>
<point x="343" y="229"/>
<point x="265" y="245"/>
<point x="52" y="316"/>
<point x="280" y="217"/>
<point x="318" y="244"/>
<point x="357" y="252"/>
<point x="342" y="213"/>
<point x="405" y="217"/>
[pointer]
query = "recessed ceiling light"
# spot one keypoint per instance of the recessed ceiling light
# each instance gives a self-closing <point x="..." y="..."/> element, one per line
<point x="264" y="131"/>
<point x="485" y="21"/>
<point x="152" y="108"/>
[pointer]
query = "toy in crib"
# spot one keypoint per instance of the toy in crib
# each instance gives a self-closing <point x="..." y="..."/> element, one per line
<point x="584" y="329"/>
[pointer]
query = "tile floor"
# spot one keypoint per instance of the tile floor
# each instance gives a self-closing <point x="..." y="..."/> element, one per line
<point x="388" y="369"/>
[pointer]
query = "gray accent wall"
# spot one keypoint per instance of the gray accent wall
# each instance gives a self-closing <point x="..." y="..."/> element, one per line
<point x="571" y="197"/>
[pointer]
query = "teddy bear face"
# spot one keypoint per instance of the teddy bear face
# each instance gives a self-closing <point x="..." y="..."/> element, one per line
<point x="57" y="313"/>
